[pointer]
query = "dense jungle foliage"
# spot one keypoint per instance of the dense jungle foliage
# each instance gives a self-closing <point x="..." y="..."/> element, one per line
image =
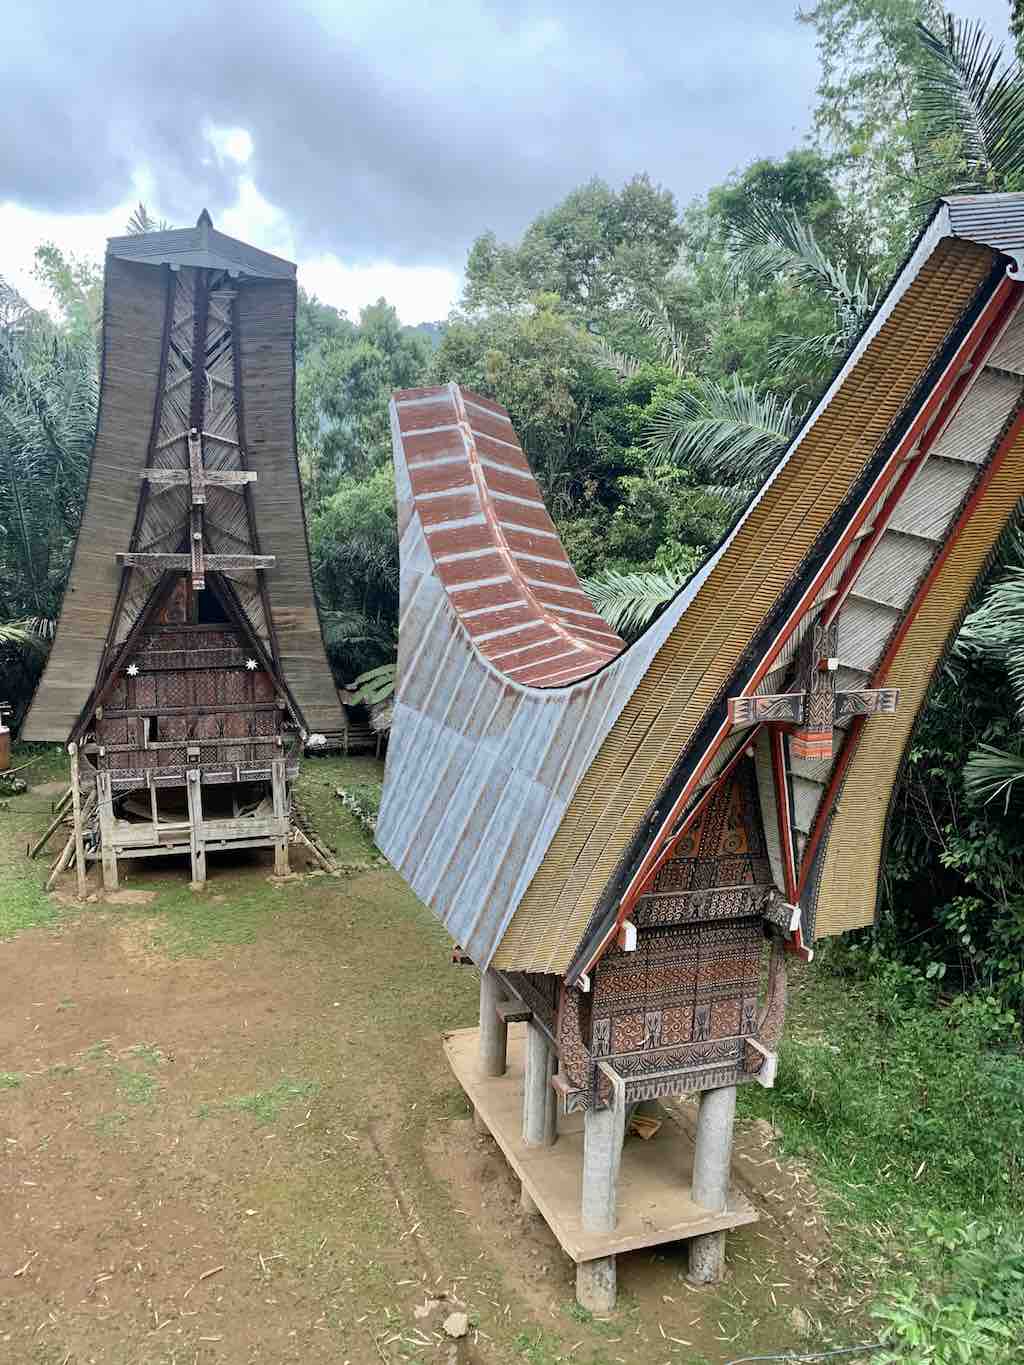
<point x="655" y="361"/>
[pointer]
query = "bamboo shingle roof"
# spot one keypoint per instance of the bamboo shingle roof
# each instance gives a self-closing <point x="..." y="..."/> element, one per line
<point x="530" y="811"/>
<point x="146" y="278"/>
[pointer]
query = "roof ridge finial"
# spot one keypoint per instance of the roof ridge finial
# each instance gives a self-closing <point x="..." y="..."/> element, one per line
<point x="204" y="222"/>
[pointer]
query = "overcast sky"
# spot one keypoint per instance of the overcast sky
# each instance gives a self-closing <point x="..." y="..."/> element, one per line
<point x="372" y="140"/>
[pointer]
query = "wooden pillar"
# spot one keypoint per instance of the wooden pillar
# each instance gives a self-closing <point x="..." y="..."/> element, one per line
<point x="712" y="1159"/>
<point x="603" y="1134"/>
<point x="76" y="810"/>
<point x="195" y="826"/>
<point x="105" y="805"/>
<point x="279" y="789"/>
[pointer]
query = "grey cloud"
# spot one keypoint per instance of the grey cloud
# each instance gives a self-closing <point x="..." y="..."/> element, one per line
<point x="394" y="130"/>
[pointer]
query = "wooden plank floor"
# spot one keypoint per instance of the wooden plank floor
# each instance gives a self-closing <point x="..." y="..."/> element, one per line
<point x="654" y="1180"/>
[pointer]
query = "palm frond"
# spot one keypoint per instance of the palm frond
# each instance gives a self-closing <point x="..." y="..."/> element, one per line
<point x="995" y="629"/>
<point x="991" y="773"/>
<point x="672" y="348"/>
<point x="625" y="366"/>
<point x="13" y="308"/>
<point x="788" y="353"/>
<point x="627" y="601"/>
<point x="376" y="685"/>
<point x="970" y="108"/>
<point x="726" y="433"/>
<point x="734" y="496"/>
<point x="769" y="244"/>
<point x="351" y="627"/>
<point x="22" y="635"/>
<point x="142" y="221"/>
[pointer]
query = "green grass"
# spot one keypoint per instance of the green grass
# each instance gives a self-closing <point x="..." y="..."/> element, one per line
<point x="135" y="1087"/>
<point x="97" y="1051"/>
<point x="23" y="901"/>
<point x="910" y="1116"/>
<point x="266" y="1106"/>
<point x="899" y="1103"/>
<point x="315" y="795"/>
<point x="10" y="1080"/>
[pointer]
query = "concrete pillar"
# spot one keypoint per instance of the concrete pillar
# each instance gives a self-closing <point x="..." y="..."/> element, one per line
<point x="197" y="843"/>
<point x="540" y="1114"/>
<point x="539" y="1111"/>
<point x="603" y="1132"/>
<point x="595" y="1284"/>
<point x="712" y="1159"/>
<point x="493" y="1029"/>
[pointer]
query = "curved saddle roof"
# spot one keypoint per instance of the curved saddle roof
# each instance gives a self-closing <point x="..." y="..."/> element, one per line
<point x="148" y="330"/>
<point x="531" y="810"/>
<point x="495" y="548"/>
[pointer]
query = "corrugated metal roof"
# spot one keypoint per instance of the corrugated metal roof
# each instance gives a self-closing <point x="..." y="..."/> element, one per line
<point x="520" y="814"/>
<point x="995" y="220"/>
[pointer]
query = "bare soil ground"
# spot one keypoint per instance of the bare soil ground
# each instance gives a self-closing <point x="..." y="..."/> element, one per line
<point x="228" y="1135"/>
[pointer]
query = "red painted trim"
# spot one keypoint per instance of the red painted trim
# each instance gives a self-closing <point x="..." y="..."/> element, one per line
<point x="956" y="396"/>
<point x="994" y="322"/>
<point x="991" y="322"/>
<point x="780" y="781"/>
<point x="878" y="677"/>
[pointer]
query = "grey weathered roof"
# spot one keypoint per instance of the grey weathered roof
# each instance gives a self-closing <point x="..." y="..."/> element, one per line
<point x="995" y="220"/>
<point x="201" y="246"/>
<point x="138" y="295"/>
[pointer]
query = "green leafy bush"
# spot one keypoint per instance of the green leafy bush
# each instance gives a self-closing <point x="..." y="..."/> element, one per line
<point x="912" y="1105"/>
<point x="968" y="1306"/>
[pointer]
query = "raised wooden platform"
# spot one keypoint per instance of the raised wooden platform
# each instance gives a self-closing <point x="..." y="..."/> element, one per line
<point x="654" y="1180"/>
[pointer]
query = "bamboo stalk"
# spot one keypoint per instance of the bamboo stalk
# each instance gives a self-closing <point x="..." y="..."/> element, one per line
<point x="76" y="805"/>
<point x="42" y="841"/>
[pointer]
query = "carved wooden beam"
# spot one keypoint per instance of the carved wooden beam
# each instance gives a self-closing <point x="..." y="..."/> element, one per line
<point x="881" y="701"/>
<point x="138" y="559"/>
<point x="781" y="707"/>
<point x="216" y="478"/>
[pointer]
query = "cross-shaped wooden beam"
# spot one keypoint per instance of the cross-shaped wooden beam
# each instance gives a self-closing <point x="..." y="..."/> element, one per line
<point x="812" y="713"/>
<point x="198" y="478"/>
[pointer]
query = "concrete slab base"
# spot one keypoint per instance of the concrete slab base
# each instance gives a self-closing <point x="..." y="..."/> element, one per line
<point x="654" y="1203"/>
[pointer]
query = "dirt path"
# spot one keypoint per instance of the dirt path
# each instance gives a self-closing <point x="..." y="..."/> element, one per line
<point x="228" y="1135"/>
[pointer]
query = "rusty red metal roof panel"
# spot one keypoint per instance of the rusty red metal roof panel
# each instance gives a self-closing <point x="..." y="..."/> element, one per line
<point x="506" y="574"/>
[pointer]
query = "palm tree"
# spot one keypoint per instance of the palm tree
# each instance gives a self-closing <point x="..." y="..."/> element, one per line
<point x="770" y="245"/>
<point x="48" y="395"/>
<point x="969" y="111"/>
<point x="994" y="631"/>
<point x="628" y="601"/>
<point x="142" y="221"/>
<point x="726" y="433"/>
